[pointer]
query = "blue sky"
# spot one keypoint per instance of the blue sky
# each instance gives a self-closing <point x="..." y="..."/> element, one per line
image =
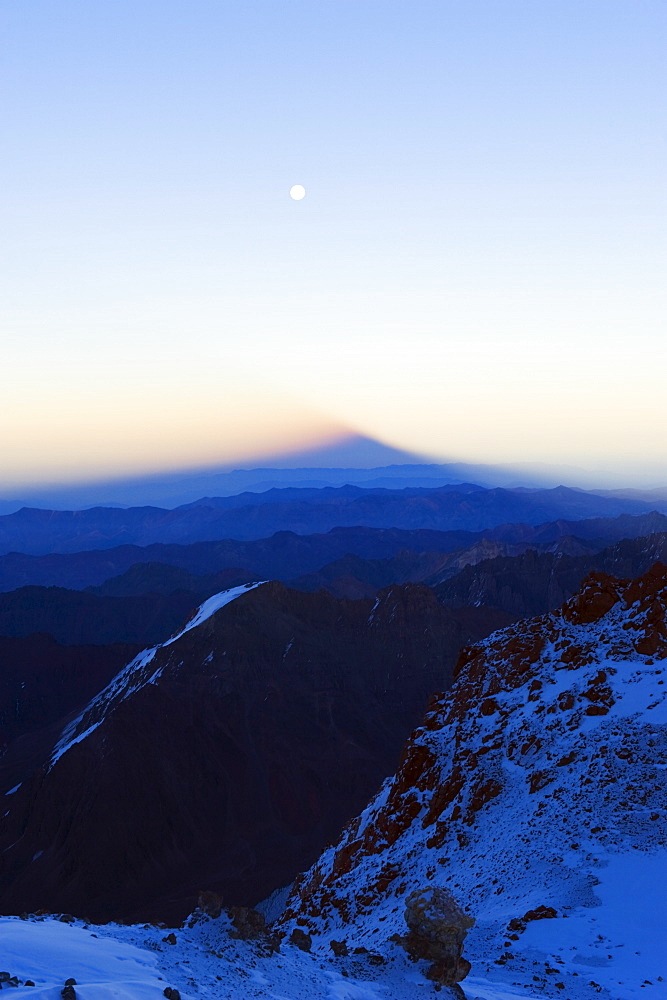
<point x="476" y="272"/>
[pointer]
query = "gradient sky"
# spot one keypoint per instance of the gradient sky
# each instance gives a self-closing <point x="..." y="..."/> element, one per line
<point x="477" y="270"/>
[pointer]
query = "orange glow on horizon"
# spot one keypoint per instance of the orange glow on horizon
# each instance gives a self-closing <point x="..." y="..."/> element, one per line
<point x="87" y="437"/>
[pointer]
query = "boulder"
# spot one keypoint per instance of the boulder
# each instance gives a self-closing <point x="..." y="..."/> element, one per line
<point x="210" y="903"/>
<point x="437" y="927"/>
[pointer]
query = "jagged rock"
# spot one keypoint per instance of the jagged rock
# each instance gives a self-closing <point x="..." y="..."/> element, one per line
<point x="210" y="903"/>
<point x="599" y="592"/>
<point x="339" y="948"/>
<point x="548" y="755"/>
<point x="249" y="924"/>
<point x="300" y="939"/>
<point x="171" y="993"/>
<point x="437" y="927"/>
<point x="540" y="913"/>
<point x="170" y="938"/>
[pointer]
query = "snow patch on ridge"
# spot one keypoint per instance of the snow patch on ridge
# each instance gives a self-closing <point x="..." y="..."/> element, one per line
<point x="213" y="604"/>
<point x="136" y="675"/>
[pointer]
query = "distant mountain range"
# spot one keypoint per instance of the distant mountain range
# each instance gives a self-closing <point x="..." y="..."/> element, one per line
<point x="533" y="583"/>
<point x="283" y="556"/>
<point x="351" y="460"/>
<point x="140" y="595"/>
<point x="465" y="507"/>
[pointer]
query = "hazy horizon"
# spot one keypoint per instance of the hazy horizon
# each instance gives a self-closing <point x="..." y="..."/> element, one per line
<point x="476" y="272"/>
<point x="348" y="459"/>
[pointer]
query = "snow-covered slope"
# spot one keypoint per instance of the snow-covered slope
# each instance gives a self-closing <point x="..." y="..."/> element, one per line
<point x="202" y="961"/>
<point x="136" y="675"/>
<point x="536" y="792"/>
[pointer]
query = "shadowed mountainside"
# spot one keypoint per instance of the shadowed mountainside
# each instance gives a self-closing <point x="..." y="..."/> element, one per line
<point x="42" y="680"/>
<point x="533" y="583"/>
<point x="226" y="759"/>
<point x="75" y="617"/>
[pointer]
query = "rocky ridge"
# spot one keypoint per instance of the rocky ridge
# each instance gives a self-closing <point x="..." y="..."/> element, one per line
<point x="533" y="582"/>
<point x="536" y="792"/>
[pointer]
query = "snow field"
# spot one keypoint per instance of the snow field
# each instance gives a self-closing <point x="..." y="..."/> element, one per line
<point x="134" y="962"/>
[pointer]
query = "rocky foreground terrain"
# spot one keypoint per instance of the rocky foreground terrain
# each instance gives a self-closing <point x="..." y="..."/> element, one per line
<point x="534" y="792"/>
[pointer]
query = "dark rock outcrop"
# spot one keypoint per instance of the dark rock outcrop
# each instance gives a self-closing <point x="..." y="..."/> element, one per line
<point x="437" y="927"/>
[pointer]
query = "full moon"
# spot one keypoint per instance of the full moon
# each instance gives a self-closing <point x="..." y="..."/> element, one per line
<point x="297" y="192"/>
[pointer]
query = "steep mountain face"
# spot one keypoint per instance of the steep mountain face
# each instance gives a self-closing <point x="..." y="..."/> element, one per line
<point x="532" y="583"/>
<point x="253" y="516"/>
<point x="523" y="585"/>
<point x="536" y="791"/>
<point x="225" y="758"/>
<point x="42" y="680"/>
